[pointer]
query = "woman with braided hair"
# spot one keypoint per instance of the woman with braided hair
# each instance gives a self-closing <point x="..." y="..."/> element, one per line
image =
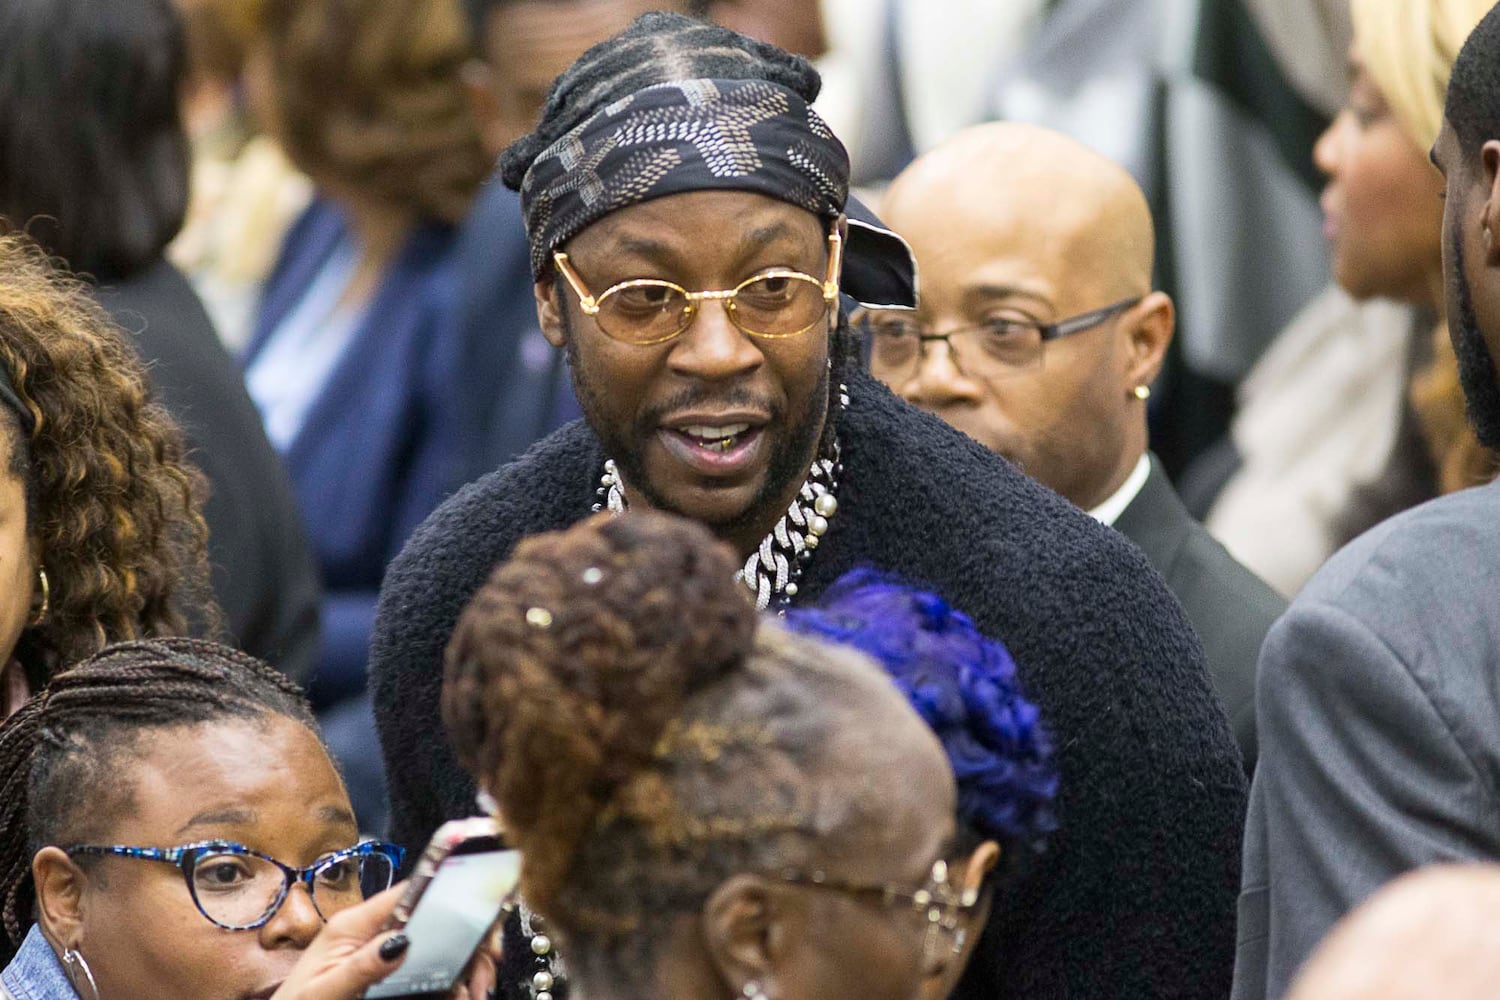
<point x="161" y="803"/>
<point x="706" y="805"/>
<point x="101" y="535"/>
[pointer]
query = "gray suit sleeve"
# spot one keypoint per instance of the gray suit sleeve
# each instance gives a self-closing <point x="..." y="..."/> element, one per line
<point x="1361" y="777"/>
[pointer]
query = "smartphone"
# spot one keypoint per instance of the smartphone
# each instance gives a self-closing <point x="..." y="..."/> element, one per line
<point x="462" y="883"/>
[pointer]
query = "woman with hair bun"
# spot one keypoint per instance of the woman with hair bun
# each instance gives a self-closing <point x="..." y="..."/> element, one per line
<point x="707" y="805"/>
<point x="101" y="533"/>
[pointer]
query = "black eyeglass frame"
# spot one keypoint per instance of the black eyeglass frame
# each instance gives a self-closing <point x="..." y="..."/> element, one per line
<point x="186" y="858"/>
<point x="1047" y="331"/>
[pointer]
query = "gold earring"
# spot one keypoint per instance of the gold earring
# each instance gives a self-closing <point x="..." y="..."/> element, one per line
<point x="41" y="614"/>
<point x="1142" y="392"/>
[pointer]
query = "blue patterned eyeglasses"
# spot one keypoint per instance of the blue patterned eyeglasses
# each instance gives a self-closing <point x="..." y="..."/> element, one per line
<point x="239" y="889"/>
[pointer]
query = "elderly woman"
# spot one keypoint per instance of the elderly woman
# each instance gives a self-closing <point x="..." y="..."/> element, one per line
<point x="964" y="686"/>
<point x="121" y="557"/>
<point x="706" y="805"/>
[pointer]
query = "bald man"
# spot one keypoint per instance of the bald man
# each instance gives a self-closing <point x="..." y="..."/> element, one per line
<point x="1430" y="935"/>
<point x="1039" y="335"/>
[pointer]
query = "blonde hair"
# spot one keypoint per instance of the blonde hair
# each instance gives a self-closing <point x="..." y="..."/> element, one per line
<point x="1408" y="48"/>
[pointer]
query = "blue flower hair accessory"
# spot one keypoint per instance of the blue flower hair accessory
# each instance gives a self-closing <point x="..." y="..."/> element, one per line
<point x="963" y="685"/>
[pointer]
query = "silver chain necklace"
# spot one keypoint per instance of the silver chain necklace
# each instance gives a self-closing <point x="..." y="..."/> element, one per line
<point x="774" y="569"/>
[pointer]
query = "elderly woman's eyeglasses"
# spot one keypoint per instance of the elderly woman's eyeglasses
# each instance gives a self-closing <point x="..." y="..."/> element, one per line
<point x="1002" y="345"/>
<point x="938" y="906"/>
<point x="773" y="304"/>
<point x="239" y="889"/>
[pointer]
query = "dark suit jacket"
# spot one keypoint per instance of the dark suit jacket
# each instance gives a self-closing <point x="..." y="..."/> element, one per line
<point x="1379" y="706"/>
<point x="1230" y="607"/>
<point x="397" y="426"/>
<point x="530" y="394"/>
<point x="263" y="573"/>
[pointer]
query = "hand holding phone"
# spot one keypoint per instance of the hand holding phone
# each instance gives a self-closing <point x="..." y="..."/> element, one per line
<point x="457" y="894"/>
<point x="347" y="955"/>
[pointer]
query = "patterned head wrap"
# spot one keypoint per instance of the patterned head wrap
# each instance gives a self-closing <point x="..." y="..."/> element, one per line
<point x="702" y="135"/>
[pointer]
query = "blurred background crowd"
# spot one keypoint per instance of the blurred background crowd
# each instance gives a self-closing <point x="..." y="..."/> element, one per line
<point x="289" y="203"/>
<point x="292" y="209"/>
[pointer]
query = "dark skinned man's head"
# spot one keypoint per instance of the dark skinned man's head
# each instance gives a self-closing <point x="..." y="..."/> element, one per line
<point x="1467" y="152"/>
<point x="1036" y="256"/>
<point x="717" y="411"/>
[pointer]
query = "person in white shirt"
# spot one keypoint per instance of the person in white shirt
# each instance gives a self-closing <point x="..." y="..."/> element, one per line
<point x="1039" y="335"/>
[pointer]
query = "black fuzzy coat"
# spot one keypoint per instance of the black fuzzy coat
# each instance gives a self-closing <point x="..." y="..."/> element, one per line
<point x="1135" y="896"/>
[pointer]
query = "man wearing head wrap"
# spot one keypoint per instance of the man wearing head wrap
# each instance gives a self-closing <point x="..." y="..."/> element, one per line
<point x="691" y="235"/>
<point x="522" y="45"/>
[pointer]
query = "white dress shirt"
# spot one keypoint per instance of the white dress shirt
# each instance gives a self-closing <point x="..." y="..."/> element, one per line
<point x="1110" y="510"/>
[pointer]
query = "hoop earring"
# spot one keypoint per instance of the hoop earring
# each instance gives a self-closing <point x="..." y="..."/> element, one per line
<point x="41" y="615"/>
<point x="1141" y="392"/>
<point x="75" y="963"/>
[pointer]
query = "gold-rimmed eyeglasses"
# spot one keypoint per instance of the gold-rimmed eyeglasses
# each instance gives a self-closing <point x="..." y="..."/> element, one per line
<point x="773" y="304"/>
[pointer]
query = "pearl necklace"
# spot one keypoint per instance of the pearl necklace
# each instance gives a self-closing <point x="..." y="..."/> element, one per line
<point x="549" y="972"/>
<point x="774" y="569"/>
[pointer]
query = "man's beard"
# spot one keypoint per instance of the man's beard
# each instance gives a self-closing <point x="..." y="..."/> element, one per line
<point x="1476" y="365"/>
<point x="792" y="451"/>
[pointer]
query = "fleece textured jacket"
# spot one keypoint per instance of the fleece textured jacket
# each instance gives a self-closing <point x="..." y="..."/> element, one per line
<point x="1135" y="895"/>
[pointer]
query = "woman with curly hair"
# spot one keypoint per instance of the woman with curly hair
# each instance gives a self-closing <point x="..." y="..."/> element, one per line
<point x="364" y="382"/>
<point x="101" y="535"/>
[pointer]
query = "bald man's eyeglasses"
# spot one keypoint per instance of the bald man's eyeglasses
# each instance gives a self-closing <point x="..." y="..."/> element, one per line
<point x="898" y="342"/>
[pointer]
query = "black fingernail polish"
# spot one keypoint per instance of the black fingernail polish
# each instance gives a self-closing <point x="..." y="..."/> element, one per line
<point x="394" y="947"/>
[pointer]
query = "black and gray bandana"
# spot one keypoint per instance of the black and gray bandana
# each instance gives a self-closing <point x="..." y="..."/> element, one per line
<point x="703" y="135"/>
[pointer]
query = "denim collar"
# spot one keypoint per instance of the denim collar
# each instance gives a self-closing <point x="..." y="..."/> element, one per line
<point x="35" y="973"/>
